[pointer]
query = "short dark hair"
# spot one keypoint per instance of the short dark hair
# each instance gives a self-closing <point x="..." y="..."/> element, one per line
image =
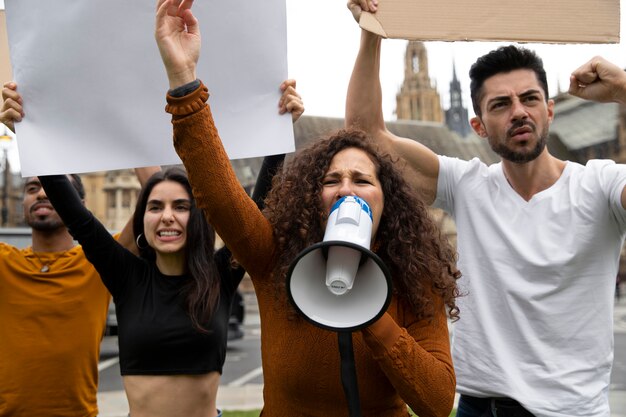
<point x="502" y="60"/>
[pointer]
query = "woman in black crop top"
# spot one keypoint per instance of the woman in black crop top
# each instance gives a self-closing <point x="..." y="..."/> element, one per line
<point x="172" y="302"/>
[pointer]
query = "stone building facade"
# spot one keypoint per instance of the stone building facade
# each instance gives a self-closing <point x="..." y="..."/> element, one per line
<point x="418" y="98"/>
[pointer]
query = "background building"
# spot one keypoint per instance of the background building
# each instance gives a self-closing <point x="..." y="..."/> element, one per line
<point x="418" y="98"/>
<point x="456" y="116"/>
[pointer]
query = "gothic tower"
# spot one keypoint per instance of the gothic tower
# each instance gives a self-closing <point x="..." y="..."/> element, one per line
<point x="418" y="99"/>
<point x="456" y="117"/>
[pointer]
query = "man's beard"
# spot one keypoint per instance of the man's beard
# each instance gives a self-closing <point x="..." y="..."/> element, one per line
<point x="46" y="225"/>
<point x="516" y="156"/>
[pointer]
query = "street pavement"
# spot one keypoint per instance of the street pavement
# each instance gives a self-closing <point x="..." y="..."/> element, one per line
<point x="249" y="396"/>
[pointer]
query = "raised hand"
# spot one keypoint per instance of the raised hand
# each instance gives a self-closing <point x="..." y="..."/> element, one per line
<point x="290" y="101"/>
<point x="178" y="36"/>
<point x="12" y="110"/>
<point x="599" y="80"/>
<point x="358" y="6"/>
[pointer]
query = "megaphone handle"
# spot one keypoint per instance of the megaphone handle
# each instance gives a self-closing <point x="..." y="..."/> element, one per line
<point x="348" y="373"/>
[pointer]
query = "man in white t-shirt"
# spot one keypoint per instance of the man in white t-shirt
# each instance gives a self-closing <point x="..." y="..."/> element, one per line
<point x="539" y="238"/>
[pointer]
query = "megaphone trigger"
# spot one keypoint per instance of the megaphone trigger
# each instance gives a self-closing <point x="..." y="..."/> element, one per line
<point x="325" y="250"/>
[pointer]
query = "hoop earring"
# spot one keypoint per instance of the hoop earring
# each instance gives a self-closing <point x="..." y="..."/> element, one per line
<point x="137" y="242"/>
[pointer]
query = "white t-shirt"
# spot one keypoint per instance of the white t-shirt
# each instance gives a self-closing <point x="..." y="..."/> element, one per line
<point x="536" y="323"/>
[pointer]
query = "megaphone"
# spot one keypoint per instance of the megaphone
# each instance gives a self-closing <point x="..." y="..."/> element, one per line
<point x="339" y="284"/>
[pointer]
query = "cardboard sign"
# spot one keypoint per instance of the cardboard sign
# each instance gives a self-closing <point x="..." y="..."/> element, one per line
<point x="5" y="63"/>
<point x="554" y="21"/>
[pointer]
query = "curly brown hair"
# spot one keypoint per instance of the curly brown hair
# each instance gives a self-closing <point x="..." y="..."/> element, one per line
<point x="421" y="262"/>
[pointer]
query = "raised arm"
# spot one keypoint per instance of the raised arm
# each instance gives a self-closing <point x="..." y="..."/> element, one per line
<point x="217" y="191"/>
<point x="144" y="173"/>
<point x="599" y="80"/>
<point x="264" y="179"/>
<point x="364" y="110"/>
<point x="127" y="237"/>
<point x="104" y="252"/>
<point x="602" y="81"/>
<point x="291" y="102"/>
<point x="364" y="101"/>
<point x="178" y="38"/>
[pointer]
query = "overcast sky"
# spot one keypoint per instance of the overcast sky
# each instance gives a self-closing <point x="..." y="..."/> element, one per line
<point x="323" y="41"/>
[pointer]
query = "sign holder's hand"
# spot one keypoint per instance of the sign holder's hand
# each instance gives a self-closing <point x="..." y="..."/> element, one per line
<point x="11" y="111"/>
<point x="358" y="6"/>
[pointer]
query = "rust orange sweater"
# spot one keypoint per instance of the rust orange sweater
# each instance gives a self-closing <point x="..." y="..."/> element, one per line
<point x="399" y="360"/>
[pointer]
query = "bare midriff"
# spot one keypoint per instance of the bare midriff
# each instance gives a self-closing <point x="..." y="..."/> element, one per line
<point x="172" y="395"/>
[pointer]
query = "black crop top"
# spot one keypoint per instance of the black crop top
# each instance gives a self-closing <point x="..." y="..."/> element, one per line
<point x="156" y="336"/>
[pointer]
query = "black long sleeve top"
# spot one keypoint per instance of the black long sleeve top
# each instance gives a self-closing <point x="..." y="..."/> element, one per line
<point x="156" y="336"/>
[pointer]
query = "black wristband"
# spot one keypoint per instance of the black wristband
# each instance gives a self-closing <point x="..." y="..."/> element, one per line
<point x="185" y="89"/>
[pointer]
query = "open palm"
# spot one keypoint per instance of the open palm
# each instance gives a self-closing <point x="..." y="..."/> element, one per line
<point x="178" y="36"/>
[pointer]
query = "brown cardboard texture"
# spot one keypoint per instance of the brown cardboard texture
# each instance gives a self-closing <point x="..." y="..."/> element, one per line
<point x="5" y="63"/>
<point x="552" y="21"/>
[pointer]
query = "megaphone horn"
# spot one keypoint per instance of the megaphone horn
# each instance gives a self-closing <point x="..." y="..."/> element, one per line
<point x="339" y="283"/>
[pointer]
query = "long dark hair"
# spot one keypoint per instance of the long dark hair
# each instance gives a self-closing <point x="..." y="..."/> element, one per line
<point x="421" y="262"/>
<point x="203" y="291"/>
